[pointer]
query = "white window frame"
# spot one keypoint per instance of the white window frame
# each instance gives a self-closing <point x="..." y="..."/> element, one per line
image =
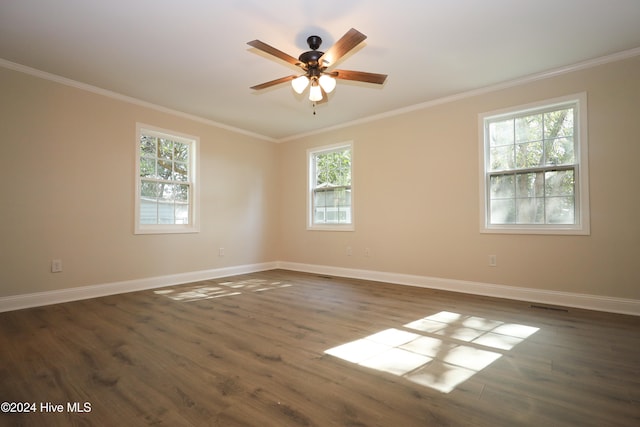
<point x="193" y="225"/>
<point x="581" y="168"/>
<point x="311" y="225"/>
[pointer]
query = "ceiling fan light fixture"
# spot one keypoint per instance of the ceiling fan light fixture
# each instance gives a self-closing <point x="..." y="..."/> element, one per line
<point x="315" y="93"/>
<point x="315" y="65"/>
<point x="299" y="84"/>
<point x="327" y="82"/>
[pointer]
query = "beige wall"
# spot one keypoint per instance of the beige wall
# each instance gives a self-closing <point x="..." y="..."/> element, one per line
<point x="417" y="194"/>
<point x="68" y="159"/>
<point x="67" y="192"/>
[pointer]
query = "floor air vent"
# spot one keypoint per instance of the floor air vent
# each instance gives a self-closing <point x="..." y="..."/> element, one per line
<point x="546" y="307"/>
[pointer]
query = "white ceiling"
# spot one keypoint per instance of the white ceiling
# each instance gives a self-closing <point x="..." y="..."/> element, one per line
<point x="191" y="55"/>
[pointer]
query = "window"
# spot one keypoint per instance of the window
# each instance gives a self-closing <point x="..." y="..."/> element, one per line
<point x="165" y="182"/>
<point x="534" y="163"/>
<point x="330" y="194"/>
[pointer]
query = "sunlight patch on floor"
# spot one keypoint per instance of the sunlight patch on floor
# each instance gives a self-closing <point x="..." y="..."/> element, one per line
<point x="219" y="290"/>
<point x="432" y="351"/>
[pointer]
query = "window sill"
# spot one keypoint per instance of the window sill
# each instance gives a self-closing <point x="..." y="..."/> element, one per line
<point x="543" y="230"/>
<point x="331" y="227"/>
<point x="171" y="229"/>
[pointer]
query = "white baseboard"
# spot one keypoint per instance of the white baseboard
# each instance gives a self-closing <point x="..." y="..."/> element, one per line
<point x="17" y="302"/>
<point x="565" y="299"/>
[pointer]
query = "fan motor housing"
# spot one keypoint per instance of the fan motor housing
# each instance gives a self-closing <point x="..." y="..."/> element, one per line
<point x="311" y="57"/>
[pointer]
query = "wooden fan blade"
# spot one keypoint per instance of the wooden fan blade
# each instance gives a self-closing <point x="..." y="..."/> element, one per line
<point x="351" y="39"/>
<point x="275" y="52"/>
<point x="273" y="82"/>
<point x="360" y="76"/>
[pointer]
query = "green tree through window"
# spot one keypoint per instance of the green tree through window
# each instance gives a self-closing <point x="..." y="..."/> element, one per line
<point x="331" y="186"/>
<point x="532" y="164"/>
<point x="165" y="181"/>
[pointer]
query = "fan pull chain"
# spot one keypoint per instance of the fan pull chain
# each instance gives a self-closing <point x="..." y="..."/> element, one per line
<point x="314" y="108"/>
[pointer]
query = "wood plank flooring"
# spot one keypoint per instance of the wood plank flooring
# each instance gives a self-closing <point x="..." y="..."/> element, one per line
<point x="250" y="351"/>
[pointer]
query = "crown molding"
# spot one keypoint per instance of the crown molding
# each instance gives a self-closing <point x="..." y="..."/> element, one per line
<point x="619" y="56"/>
<point x="131" y="100"/>
<point x="591" y="63"/>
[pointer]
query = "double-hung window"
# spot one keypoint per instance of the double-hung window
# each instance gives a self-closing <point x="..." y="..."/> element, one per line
<point x="166" y="199"/>
<point x="330" y="191"/>
<point x="534" y="168"/>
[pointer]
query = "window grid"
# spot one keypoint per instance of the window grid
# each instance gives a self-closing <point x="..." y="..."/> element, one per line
<point x="330" y="200"/>
<point x="513" y="198"/>
<point x="165" y="182"/>
<point x="534" y="176"/>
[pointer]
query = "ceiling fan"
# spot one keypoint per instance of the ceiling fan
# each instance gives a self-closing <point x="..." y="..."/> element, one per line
<point x="316" y="64"/>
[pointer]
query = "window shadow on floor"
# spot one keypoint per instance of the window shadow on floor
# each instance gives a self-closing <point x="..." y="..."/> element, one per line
<point x="210" y="289"/>
<point x="440" y="351"/>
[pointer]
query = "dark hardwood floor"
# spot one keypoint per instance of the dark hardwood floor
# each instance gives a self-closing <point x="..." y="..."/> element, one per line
<point x="280" y="348"/>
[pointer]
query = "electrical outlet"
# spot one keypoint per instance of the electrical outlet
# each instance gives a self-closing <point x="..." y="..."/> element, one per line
<point x="349" y="251"/>
<point x="221" y="252"/>
<point x="56" y="266"/>
<point x="493" y="261"/>
<point x="367" y="252"/>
